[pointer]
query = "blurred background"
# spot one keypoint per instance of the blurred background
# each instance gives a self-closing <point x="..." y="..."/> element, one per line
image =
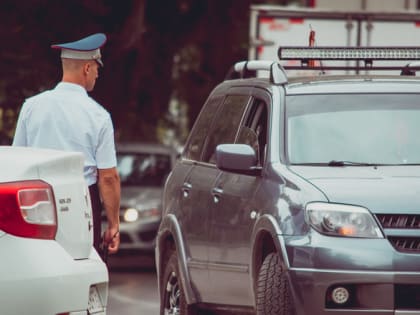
<point x="162" y="58"/>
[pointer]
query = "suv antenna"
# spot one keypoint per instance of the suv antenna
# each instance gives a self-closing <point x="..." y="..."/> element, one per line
<point x="311" y="62"/>
<point x="312" y="43"/>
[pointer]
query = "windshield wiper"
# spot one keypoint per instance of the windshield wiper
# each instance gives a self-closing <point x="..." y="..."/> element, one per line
<point x="338" y="163"/>
<point x="349" y="163"/>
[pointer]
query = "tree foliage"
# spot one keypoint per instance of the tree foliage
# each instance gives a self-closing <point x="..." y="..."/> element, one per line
<point x="159" y="52"/>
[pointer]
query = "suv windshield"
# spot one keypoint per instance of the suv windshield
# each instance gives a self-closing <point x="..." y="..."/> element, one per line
<point x="350" y="129"/>
<point x="143" y="169"/>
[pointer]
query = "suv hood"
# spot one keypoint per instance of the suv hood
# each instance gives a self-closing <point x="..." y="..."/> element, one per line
<point x="386" y="189"/>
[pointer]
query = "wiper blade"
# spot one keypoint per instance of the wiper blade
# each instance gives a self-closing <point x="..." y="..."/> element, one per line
<point x="349" y="163"/>
<point x="339" y="163"/>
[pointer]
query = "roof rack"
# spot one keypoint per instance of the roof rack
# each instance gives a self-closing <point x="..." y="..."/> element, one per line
<point x="246" y="69"/>
<point x="365" y="54"/>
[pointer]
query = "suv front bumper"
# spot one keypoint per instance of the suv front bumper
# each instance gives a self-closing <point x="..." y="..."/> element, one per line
<point x="379" y="279"/>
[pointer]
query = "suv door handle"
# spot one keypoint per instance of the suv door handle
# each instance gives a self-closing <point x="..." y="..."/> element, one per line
<point x="216" y="192"/>
<point x="186" y="187"/>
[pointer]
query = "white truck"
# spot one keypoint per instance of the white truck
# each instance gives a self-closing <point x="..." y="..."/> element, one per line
<point x="273" y="26"/>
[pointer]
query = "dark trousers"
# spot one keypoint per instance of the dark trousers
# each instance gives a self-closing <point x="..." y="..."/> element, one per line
<point x="96" y="213"/>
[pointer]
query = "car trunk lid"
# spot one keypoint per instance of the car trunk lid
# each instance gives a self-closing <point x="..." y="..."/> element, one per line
<point x="64" y="172"/>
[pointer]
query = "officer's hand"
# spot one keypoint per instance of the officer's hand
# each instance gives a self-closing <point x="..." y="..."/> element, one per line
<point x="112" y="240"/>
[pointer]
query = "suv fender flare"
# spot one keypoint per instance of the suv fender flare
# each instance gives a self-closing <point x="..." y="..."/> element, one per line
<point x="169" y="227"/>
<point x="266" y="224"/>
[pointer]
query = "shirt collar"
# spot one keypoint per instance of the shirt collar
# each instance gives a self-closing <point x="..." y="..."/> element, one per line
<point x="71" y="87"/>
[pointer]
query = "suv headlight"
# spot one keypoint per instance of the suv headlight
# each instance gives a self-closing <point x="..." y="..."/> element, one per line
<point x="342" y="220"/>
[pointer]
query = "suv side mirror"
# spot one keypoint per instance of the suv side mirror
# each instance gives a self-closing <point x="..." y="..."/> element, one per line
<point x="237" y="158"/>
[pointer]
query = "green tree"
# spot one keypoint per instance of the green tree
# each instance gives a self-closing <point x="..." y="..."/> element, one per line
<point x="159" y="53"/>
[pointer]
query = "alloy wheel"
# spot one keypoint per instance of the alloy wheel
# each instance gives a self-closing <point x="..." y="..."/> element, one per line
<point x="173" y="294"/>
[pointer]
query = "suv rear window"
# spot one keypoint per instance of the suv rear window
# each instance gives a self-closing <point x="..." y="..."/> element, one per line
<point x="374" y="129"/>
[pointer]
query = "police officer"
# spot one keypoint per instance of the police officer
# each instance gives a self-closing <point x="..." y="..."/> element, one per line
<point x="67" y="118"/>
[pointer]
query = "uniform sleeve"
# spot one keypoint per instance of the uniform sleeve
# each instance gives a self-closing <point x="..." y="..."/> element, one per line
<point x="105" y="153"/>
<point x="20" y="133"/>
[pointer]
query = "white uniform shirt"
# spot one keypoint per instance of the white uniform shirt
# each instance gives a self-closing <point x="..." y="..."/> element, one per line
<point x="66" y="118"/>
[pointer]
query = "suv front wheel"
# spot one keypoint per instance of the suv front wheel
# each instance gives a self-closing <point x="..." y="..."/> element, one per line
<point x="273" y="292"/>
<point x="173" y="297"/>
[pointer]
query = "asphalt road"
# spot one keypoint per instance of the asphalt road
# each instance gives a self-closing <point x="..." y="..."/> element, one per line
<point x="132" y="287"/>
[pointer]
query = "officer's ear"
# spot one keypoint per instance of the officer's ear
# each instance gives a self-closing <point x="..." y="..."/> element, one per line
<point x="86" y="68"/>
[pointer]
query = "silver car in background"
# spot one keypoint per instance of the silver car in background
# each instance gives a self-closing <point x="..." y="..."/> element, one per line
<point x="143" y="169"/>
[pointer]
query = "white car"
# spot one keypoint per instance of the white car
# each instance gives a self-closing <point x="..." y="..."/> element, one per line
<point x="48" y="265"/>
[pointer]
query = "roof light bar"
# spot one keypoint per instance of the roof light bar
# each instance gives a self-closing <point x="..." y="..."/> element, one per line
<point x="349" y="53"/>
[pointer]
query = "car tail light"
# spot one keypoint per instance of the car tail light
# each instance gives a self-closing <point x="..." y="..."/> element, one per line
<point x="27" y="209"/>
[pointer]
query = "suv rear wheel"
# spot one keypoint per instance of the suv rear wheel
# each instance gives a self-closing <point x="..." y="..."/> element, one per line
<point x="173" y="298"/>
<point x="273" y="291"/>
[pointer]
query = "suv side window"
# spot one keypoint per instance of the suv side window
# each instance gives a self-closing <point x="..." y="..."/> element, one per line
<point x="254" y="130"/>
<point x="226" y="124"/>
<point x="201" y="128"/>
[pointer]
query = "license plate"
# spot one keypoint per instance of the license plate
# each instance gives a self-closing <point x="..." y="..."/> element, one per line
<point x="95" y="304"/>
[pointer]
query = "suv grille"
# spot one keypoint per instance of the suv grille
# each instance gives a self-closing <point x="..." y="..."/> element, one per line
<point x="402" y="221"/>
<point x="406" y="244"/>
<point x="399" y="221"/>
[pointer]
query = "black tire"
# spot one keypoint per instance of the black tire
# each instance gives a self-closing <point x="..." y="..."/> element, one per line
<point x="273" y="290"/>
<point x="173" y="300"/>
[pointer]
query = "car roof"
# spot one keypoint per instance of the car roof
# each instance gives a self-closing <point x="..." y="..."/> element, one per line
<point x="332" y="84"/>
